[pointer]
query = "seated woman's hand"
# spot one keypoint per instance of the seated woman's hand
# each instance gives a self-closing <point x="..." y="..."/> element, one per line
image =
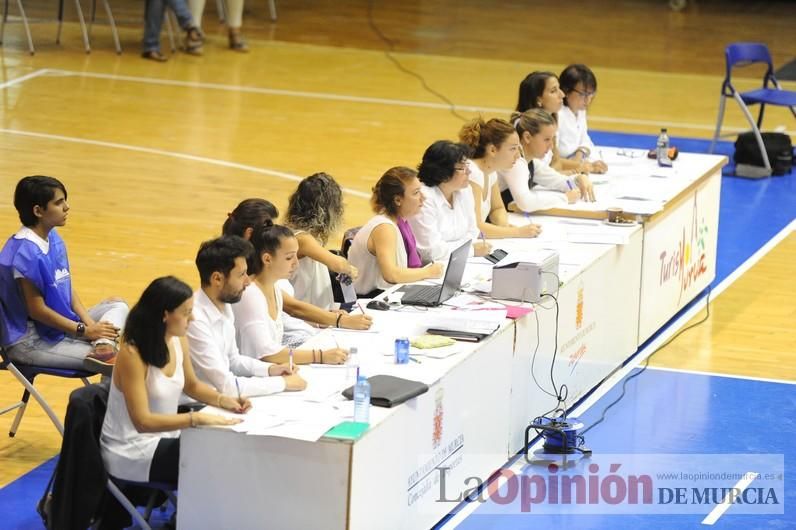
<point x="294" y="383"/>
<point x="573" y="195"/>
<point x="585" y="186"/>
<point x="434" y="270"/>
<point x="530" y="230"/>
<point x="335" y="356"/>
<point x="481" y="248"/>
<point x="234" y="404"/>
<point x="203" y="419"/>
<point x="349" y="321"/>
<point x="281" y="369"/>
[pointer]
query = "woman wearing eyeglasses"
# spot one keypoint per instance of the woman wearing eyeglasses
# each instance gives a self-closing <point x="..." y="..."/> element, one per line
<point x="447" y="217"/>
<point x="579" y="86"/>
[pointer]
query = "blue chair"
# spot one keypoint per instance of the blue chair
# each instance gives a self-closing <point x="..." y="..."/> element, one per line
<point x="771" y="93"/>
<point x="26" y="374"/>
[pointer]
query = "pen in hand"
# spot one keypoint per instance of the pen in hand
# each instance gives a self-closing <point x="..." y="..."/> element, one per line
<point x="290" y="359"/>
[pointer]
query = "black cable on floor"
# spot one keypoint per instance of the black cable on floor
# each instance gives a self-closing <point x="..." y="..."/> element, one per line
<point x="389" y="53"/>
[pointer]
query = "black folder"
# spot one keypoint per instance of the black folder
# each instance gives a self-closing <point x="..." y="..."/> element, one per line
<point x="388" y="391"/>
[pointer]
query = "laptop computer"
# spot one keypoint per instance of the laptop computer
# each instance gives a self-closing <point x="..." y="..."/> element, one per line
<point x="434" y="295"/>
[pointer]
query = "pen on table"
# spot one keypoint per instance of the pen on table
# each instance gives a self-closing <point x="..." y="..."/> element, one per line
<point x="237" y="385"/>
<point x="360" y="307"/>
<point x="415" y="360"/>
<point x="569" y="185"/>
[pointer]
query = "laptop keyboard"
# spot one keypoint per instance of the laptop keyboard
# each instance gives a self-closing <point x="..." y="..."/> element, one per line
<point x="428" y="293"/>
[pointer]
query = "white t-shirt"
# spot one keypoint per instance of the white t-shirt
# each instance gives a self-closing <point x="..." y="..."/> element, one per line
<point x="256" y="333"/>
<point x="370" y="276"/>
<point x="573" y="132"/>
<point x="477" y="176"/>
<point x="440" y="228"/>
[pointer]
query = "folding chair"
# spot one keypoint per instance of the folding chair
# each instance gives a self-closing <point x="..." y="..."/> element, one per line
<point x="25" y="374"/>
<point x="771" y="93"/>
<point x="24" y="19"/>
<point x="84" y="419"/>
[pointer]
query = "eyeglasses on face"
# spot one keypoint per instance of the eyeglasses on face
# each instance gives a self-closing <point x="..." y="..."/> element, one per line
<point x="583" y="94"/>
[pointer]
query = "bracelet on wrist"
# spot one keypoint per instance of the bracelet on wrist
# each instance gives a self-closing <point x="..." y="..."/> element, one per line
<point x="321" y="356"/>
<point x="190" y="418"/>
<point x="218" y="401"/>
<point x="339" y="316"/>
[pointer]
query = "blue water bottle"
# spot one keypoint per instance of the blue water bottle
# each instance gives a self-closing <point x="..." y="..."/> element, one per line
<point x="362" y="400"/>
<point x="402" y="350"/>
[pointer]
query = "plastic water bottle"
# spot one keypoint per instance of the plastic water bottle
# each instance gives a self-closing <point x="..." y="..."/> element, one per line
<point x="662" y="148"/>
<point x="352" y="366"/>
<point x="362" y="400"/>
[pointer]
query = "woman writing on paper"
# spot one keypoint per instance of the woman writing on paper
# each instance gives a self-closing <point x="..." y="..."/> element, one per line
<point x="258" y="315"/>
<point x="447" y="218"/>
<point x="385" y="250"/>
<point x="531" y="184"/>
<point x="140" y="434"/>
<point x="496" y="146"/>
<point x="314" y="212"/>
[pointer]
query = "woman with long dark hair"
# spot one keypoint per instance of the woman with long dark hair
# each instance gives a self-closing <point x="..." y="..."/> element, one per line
<point x="140" y="435"/>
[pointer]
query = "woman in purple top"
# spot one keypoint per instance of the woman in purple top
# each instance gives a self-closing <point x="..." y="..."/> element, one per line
<point x="384" y="251"/>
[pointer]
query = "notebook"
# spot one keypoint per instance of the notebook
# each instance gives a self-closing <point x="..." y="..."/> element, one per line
<point x="434" y="295"/>
<point x="389" y="391"/>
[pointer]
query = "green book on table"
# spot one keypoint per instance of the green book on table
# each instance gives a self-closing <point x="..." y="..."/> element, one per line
<point x="347" y="430"/>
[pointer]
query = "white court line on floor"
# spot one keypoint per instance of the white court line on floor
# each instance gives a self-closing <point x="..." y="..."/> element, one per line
<point x="659" y="341"/>
<point x="23" y="78"/>
<point x="380" y="101"/>
<point x="174" y="154"/>
<point x="727" y="501"/>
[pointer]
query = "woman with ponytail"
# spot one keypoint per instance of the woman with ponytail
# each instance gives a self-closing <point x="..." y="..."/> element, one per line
<point x="258" y="316"/>
<point x="531" y="184"/>
<point x="495" y="146"/>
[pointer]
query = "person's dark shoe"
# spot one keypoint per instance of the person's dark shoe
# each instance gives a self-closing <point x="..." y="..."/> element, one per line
<point x="155" y="55"/>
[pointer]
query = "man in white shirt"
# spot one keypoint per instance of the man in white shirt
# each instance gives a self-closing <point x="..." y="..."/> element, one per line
<point x="211" y="334"/>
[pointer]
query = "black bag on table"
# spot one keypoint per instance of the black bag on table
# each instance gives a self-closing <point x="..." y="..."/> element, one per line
<point x="778" y="147"/>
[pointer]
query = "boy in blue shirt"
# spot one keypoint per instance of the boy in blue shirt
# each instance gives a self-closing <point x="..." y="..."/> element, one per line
<point x="42" y="320"/>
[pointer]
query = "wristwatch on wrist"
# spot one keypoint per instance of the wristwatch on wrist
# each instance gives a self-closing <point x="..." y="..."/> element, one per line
<point x="80" y="330"/>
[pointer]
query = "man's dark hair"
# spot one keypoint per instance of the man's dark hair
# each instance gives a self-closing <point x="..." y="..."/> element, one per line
<point x="218" y="255"/>
<point x="36" y="190"/>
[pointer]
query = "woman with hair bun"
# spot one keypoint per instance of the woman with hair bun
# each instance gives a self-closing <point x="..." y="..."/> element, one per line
<point x="495" y="147"/>
<point x="385" y="250"/>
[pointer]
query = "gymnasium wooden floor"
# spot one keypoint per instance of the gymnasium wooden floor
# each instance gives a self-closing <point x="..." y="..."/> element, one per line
<point x="155" y="155"/>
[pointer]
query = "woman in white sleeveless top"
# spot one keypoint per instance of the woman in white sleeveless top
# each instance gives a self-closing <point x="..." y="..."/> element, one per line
<point x="379" y="250"/>
<point x="140" y="434"/>
<point x="314" y="212"/>
<point x="258" y="315"/>
<point x="495" y="147"/>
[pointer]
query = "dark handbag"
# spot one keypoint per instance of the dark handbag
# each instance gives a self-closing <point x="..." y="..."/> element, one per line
<point x="778" y="148"/>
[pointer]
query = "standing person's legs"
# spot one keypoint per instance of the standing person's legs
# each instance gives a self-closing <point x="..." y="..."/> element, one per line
<point x="197" y="8"/>
<point x="153" y="20"/>
<point x="234" y="23"/>
<point x="193" y="37"/>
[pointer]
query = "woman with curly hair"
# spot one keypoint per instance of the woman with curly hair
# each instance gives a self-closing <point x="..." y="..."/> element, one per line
<point x="314" y="212"/>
